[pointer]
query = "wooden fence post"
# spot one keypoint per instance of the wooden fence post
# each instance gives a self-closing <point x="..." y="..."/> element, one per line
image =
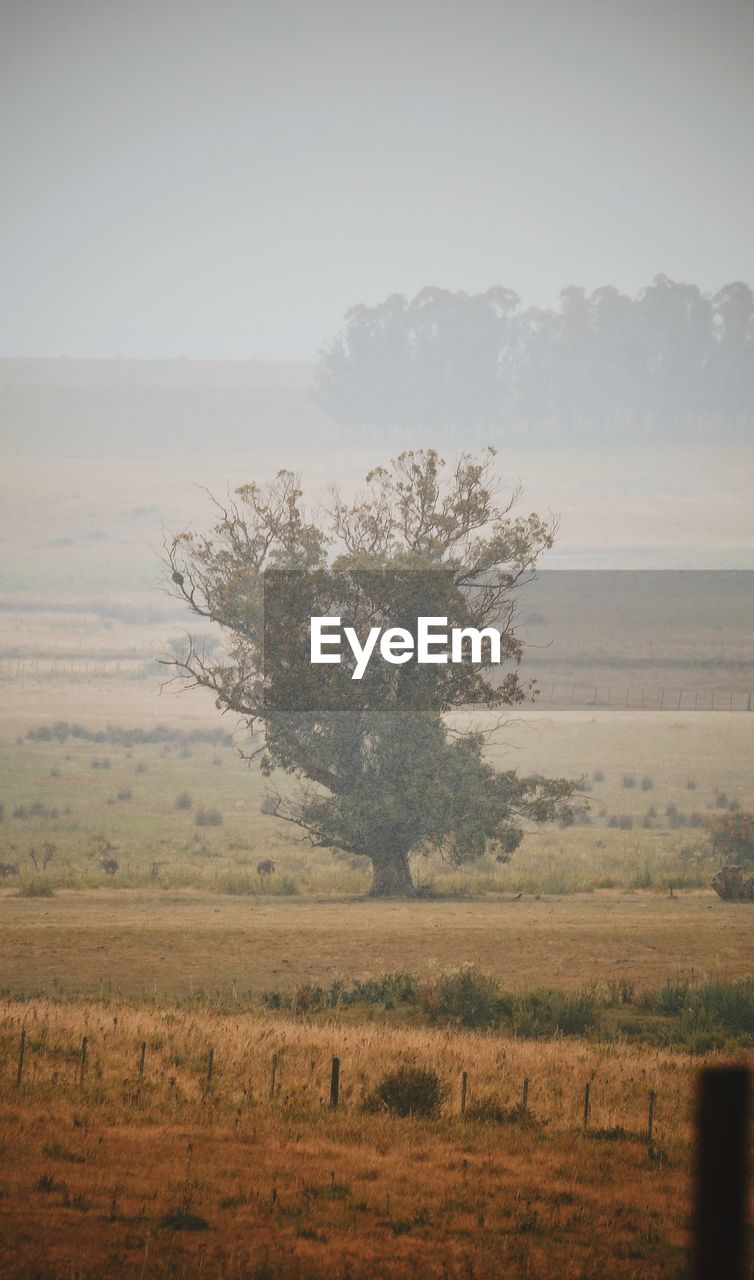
<point x="82" y="1068"/>
<point x="464" y="1083"/>
<point x="21" y="1052"/>
<point x="525" y="1098"/>
<point x="722" y="1157"/>
<point x="586" y="1106"/>
<point x="273" y="1074"/>
<point x="142" y="1056"/>
<point x="334" y="1082"/>
<point x="210" y="1064"/>
<point x="651" y="1116"/>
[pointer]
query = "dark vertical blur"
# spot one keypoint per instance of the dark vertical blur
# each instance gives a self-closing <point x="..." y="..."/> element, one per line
<point x="721" y="1221"/>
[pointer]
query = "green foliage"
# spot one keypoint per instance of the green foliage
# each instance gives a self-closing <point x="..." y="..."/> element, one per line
<point x="468" y="998"/>
<point x="549" y="1012"/>
<point x="672" y="998"/>
<point x="409" y="1091"/>
<point x="388" y="776"/>
<point x="490" y="1111"/>
<point x="732" y="836"/>
<point x="39" y="887"/>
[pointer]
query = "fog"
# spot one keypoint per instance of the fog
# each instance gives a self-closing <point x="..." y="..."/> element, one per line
<point x="239" y="237"/>
<point x="223" y="181"/>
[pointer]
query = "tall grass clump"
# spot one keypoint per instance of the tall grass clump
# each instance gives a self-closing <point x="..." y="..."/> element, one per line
<point x="467" y="998"/>
<point x="39" y="887"/>
<point x="546" y="1013"/>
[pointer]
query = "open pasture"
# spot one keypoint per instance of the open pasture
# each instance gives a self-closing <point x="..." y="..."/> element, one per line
<point x="185" y="810"/>
<point x="143" y="944"/>
<point x="181" y="1176"/>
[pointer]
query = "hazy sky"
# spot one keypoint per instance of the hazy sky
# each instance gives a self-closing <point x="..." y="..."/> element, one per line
<point x="223" y="179"/>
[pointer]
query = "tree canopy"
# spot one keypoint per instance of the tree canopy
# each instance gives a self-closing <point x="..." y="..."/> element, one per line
<point x="384" y="770"/>
<point x="672" y="360"/>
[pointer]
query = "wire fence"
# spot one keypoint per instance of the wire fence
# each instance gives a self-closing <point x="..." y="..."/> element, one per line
<point x="578" y="695"/>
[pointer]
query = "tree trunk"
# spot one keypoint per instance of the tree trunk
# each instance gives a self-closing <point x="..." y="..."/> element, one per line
<point x="392" y="878"/>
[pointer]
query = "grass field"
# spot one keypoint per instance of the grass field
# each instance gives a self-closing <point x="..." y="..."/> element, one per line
<point x="184" y="947"/>
<point x="175" y="1178"/>
<point x="137" y="943"/>
<point x="652" y="781"/>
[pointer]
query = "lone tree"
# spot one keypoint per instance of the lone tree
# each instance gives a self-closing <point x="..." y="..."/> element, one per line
<point x="383" y="768"/>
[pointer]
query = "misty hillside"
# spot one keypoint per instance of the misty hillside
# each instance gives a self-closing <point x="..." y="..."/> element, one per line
<point x="153" y="408"/>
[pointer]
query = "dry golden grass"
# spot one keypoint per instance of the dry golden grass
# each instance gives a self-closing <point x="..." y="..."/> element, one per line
<point x="136" y="941"/>
<point x="287" y="1188"/>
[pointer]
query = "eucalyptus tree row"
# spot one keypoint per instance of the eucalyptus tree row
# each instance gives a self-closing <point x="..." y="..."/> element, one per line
<point x="671" y="361"/>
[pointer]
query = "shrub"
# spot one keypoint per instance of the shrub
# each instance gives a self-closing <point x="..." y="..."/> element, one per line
<point x="647" y="783"/>
<point x="641" y="878"/>
<point x="409" y="1091"/>
<point x="672" y="999"/>
<point x="469" y="997"/>
<point x="547" y="1013"/>
<point x="628" y="780"/>
<point x="674" y="816"/>
<point x="208" y="818"/>
<point x="183" y="801"/>
<point x="598" y="776"/>
<point x="125" y="794"/>
<point x="34" y="810"/>
<point x="37" y="888"/>
<point x="691" y="784"/>
<point x="183" y="1220"/>
<point x="489" y="1111"/>
<point x="732" y="836"/>
<point x="730" y="1003"/>
<point x="721" y="800"/>
<point x="697" y="1031"/>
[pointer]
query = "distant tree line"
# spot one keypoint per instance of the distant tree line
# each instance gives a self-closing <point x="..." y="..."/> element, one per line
<point x="671" y="361"/>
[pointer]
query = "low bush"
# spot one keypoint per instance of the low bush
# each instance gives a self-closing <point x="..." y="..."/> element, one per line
<point x="409" y="1091"/>
<point x="208" y="818"/>
<point x="37" y="888"/>
<point x="548" y="1012"/>
<point x="489" y="1111"/>
<point x="34" y="810"/>
<point x="732" y="836"/>
<point x="469" y="998"/>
